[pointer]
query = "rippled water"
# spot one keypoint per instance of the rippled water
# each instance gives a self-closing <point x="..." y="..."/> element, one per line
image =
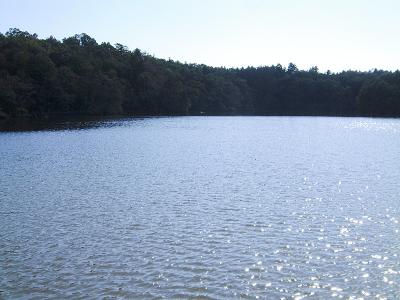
<point x="209" y="207"/>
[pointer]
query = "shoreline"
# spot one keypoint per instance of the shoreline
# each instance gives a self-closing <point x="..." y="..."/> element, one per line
<point x="71" y="122"/>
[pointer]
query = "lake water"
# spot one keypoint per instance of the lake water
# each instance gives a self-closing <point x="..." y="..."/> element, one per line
<point x="202" y="207"/>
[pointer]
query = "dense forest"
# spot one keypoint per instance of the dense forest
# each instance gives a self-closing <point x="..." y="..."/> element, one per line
<point x="46" y="77"/>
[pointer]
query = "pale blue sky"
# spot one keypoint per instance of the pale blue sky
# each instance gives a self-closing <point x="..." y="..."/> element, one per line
<point x="336" y="34"/>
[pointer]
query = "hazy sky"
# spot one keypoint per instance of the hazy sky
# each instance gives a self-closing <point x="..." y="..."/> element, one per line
<point x="334" y="34"/>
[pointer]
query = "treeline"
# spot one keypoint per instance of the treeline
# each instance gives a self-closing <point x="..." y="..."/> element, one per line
<point x="45" y="77"/>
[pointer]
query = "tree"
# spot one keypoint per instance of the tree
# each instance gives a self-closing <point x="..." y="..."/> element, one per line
<point x="40" y="77"/>
<point x="292" y="68"/>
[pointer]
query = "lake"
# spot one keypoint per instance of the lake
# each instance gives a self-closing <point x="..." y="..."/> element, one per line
<point x="201" y="207"/>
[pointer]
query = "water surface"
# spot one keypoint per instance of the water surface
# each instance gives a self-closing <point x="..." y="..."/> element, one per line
<point x="209" y="207"/>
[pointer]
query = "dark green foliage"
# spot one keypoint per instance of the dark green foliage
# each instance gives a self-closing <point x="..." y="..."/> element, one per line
<point x="79" y="76"/>
<point x="381" y="96"/>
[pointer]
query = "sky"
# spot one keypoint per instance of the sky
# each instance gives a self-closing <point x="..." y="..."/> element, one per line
<point x="334" y="35"/>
